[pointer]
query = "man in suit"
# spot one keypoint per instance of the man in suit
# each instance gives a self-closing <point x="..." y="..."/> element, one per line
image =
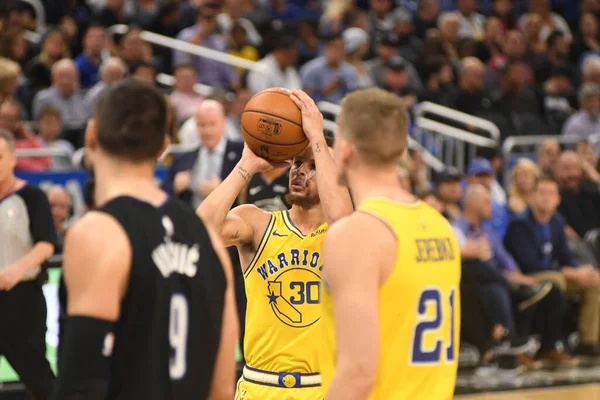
<point x="537" y="241"/>
<point x="195" y="174"/>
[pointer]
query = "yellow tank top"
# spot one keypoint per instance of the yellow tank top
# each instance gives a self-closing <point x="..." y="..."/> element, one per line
<point x="419" y="307"/>
<point x="283" y="290"/>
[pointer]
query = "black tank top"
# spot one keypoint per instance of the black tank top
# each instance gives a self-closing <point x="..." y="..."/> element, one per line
<point x="167" y="336"/>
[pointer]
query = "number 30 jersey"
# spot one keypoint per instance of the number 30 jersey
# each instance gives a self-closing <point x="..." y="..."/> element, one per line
<point x="283" y="290"/>
<point x="165" y="342"/>
<point x="419" y="307"/>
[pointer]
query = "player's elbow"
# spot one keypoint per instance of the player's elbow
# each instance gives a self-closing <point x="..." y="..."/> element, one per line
<point x="361" y="376"/>
<point x="223" y="392"/>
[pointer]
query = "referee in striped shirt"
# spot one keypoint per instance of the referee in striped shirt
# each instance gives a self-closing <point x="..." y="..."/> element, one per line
<point x="27" y="239"/>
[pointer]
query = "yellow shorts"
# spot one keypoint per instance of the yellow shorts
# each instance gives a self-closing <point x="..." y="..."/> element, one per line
<point x="253" y="391"/>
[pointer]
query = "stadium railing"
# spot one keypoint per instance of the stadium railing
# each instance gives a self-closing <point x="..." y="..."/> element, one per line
<point x="334" y="109"/>
<point x="453" y="145"/>
<point x="526" y="146"/>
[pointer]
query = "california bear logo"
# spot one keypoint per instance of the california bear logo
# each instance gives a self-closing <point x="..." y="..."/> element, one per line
<point x="269" y="127"/>
<point x="294" y="296"/>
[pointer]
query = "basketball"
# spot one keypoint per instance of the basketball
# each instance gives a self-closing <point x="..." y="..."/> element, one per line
<point x="272" y="125"/>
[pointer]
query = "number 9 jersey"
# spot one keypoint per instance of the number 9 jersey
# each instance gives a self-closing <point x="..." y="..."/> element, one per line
<point x="419" y="307"/>
<point x="283" y="290"/>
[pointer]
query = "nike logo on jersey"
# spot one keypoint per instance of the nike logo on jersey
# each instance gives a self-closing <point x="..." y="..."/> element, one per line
<point x="254" y="190"/>
<point x="278" y="234"/>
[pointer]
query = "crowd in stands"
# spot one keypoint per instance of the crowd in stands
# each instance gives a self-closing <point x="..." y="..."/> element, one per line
<point x="531" y="67"/>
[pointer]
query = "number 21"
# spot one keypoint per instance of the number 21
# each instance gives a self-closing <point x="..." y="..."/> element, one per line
<point x="420" y="355"/>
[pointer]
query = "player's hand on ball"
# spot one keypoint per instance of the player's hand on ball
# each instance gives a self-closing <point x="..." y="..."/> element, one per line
<point x="10" y="276"/>
<point x="312" y="119"/>
<point x="259" y="164"/>
<point x="182" y="181"/>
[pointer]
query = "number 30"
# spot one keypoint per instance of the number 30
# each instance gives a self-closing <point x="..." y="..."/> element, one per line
<point x="420" y="355"/>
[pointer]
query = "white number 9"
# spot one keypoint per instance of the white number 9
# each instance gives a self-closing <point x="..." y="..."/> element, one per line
<point x="178" y="333"/>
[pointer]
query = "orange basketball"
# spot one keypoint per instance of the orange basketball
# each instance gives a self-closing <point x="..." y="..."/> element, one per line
<point x="272" y="125"/>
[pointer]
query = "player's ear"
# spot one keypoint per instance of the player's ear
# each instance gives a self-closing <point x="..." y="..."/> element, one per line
<point x="91" y="136"/>
<point x="347" y="150"/>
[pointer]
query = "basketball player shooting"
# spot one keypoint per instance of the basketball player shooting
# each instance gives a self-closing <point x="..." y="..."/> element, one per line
<point x="151" y="311"/>
<point x="281" y="256"/>
<point x="391" y="297"/>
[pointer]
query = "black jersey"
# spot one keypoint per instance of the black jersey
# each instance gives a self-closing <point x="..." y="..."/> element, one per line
<point x="269" y="196"/>
<point x="168" y="333"/>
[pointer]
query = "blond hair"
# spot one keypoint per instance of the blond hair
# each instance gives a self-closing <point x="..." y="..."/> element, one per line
<point x="527" y="165"/>
<point x="376" y="122"/>
<point x="9" y="69"/>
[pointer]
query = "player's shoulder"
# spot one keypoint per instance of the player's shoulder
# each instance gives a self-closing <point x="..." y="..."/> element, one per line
<point x="361" y="229"/>
<point x="96" y="228"/>
<point x="251" y="214"/>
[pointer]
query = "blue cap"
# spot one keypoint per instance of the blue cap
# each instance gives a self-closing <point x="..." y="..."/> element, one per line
<point x="480" y="166"/>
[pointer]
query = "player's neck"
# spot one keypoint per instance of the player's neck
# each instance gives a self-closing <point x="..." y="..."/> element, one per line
<point x="307" y="219"/>
<point x="365" y="183"/>
<point x="116" y="178"/>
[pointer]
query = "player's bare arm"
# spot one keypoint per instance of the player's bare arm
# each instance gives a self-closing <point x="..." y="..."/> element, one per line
<point x="335" y="199"/>
<point x="223" y="381"/>
<point x="96" y="281"/>
<point x="240" y="225"/>
<point x="353" y="279"/>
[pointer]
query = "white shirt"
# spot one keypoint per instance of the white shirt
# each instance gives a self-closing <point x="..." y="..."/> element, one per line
<point x="207" y="167"/>
<point x="271" y="75"/>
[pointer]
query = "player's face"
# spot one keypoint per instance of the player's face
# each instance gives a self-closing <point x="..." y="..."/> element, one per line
<point x="303" y="180"/>
<point x="8" y="160"/>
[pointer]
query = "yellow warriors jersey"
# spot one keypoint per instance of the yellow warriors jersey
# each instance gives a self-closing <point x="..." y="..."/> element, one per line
<point x="283" y="290"/>
<point x="419" y="307"/>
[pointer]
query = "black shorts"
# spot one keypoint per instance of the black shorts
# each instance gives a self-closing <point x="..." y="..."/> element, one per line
<point x="23" y="336"/>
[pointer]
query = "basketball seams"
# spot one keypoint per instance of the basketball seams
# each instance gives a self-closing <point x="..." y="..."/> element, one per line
<point x="271" y="143"/>
<point x="271" y="115"/>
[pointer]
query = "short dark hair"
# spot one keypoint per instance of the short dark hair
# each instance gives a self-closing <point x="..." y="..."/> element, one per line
<point x="49" y="112"/>
<point x="285" y="43"/>
<point x="546" y="178"/>
<point x="131" y="118"/>
<point x="185" y="66"/>
<point x="94" y="25"/>
<point x="434" y="65"/>
<point x="332" y="37"/>
<point x="553" y="38"/>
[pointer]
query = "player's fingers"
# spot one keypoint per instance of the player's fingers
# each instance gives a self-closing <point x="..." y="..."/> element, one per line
<point x="298" y="102"/>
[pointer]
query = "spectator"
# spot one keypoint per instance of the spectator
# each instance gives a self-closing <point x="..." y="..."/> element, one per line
<point x="49" y="124"/>
<point x="65" y="95"/>
<point x="234" y="118"/>
<point x="268" y="190"/>
<point x="239" y="47"/>
<point x="587" y="41"/>
<point x="356" y="47"/>
<point x="552" y="21"/>
<point x="547" y="156"/>
<point x="277" y="69"/>
<point x="517" y="97"/>
<point x="113" y="13"/>
<point x="537" y="241"/>
<point x="395" y="80"/>
<point x="387" y="48"/>
<point x="514" y="50"/>
<point x="10" y="72"/>
<point x="426" y="16"/>
<point x="586" y="121"/>
<point x="411" y="47"/>
<point x="472" y="98"/>
<point x="379" y="20"/>
<point x="111" y="70"/>
<point x="329" y="77"/>
<point x="504" y="11"/>
<point x="533" y="34"/>
<point x="448" y="190"/>
<point x="418" y="172"/>
<point x="590" y="70"/>
<point x="587" y="155"/>
<point x="491" y="45"/>
<point x="23" y="137"/>
<point x="145" y="72"/>
<point x="232" y="17"/>
<point x="308" y="42"/>
<point x="204" y="33"/>
<point x="166" y="24"/>
<point x="195" y="174"/>
<point x="27" y="240"/>
<point x="132" y="49"/>
<point x="184" y="98"/>
<point x="88" y="62"/>
<point x="14" y="46"/>
<point x="142" y="12"/>
<point x="61" y="207"/>
<point x="557" y="54"/>
<point x="557" y="99"/>
<point x="38" y="70"/>
<point x="471" y="22"/>
<point x="480" y="172"/>
<point x="524" y="176"/>
<point x="438" y="87"/>
<point x="580" y="200"/>
<point x="499" y="275"/>
<point x="449" y="26"/>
